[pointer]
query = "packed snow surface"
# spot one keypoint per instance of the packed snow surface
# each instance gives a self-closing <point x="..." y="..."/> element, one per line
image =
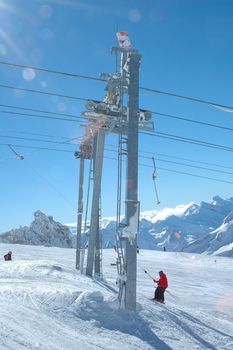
<point x="46" y="304"/>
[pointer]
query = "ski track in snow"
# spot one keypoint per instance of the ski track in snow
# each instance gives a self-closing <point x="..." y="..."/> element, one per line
<point x="46" y="304"/>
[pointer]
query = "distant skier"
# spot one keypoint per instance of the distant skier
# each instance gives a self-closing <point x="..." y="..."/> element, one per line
<point x="137" y="249"/>
<point x="162" y="286"/>
<point x="164" y="249"/>
<point x="8" y="256"/>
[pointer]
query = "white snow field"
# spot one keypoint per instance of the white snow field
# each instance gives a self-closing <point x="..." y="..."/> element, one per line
<point x="46" y="304"/>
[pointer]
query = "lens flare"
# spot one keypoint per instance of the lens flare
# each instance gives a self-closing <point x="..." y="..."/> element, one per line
<point x="29" y="74"/>
<point x="134" y="16"/>
<point x="177" y="235"/>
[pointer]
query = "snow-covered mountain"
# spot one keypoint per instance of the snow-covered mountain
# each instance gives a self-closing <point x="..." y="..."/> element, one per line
<point x="175" y="228"/>
<point x="42" y="231"/>
<point x="218" y="242"/>
<point x="204" y="227"/>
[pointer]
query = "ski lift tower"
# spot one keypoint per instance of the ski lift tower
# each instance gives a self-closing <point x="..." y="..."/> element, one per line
<point x="110" y="115"/>
<point x="130" y="120"/>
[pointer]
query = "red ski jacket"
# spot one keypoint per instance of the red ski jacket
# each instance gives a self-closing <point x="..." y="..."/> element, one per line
<point x="7" y="257"/>
<point x="162" y="282"/>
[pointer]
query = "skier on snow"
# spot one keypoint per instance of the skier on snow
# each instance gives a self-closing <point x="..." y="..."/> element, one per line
<point x="162" y="286"/>
<point x="8" y="256"/>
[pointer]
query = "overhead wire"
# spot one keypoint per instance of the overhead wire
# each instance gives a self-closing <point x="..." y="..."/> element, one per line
<point x="111" y="158"/>
<point x="157" y="134"/>
<point x="154" y="112"/>
<point x="163" y="135"/>
<point x="34" y="140"/>
<point x="194" y="161"/>
<point x="194" y="175"/>
<point x="115" y="151"/>
<point x="155" y="154"/>
<point x="46" y="70"/>
<point x="188" y="140"/>
<point x="43" y="92"/>
<point x="75" y="120"/>
<point x="179" y="172"/>
<point x="182" y="164"/>
<point x="38" y="148"/>
<point x="74" y="75"/>
<point x="193" y="166"/>
<point x="37" y="134"/>
<point x="192" y="121"/>
<point x="42" y="111"/>
<point x="173" y="137"/>
<point x="82" y="118"/>
<point x="50" y="184"/>
<point x="193" y="99"/>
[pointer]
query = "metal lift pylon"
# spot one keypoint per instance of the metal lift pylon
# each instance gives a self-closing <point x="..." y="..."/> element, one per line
<point x="110" y="115"/>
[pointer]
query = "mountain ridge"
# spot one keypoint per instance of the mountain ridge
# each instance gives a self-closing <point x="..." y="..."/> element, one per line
<point x="201" y="228"/>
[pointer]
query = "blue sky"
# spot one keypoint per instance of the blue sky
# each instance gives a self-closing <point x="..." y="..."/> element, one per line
<point x="186" y="48"/>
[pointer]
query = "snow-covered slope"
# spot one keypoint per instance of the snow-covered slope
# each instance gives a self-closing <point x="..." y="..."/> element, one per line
<point x="42" y="231"/>
<point x="47" y="305"/>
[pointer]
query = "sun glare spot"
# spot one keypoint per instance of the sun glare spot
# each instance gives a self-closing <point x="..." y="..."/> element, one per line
<point x="177" y="235"/>
<point x="29" y="74"/>
<point x="134" y="16"/>
<point x="43" y="84"/>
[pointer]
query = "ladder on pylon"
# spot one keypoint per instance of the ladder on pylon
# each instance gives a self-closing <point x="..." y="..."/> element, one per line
<point x="120" y="261"/>
<point x="99" y="274"/>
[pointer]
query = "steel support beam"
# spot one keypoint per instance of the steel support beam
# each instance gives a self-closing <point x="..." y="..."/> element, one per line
<point x="80" y="213"/>
<point x="132" y="204"/>
<point x="94" y="225"/>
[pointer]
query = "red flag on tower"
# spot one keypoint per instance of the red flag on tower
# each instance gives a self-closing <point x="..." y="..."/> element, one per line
<point x="123" y="40"/>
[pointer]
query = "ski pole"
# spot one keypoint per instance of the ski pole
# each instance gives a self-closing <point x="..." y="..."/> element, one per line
<point x="149" y="275"/>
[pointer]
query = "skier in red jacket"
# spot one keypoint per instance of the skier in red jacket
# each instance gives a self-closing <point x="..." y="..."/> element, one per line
<point x="8" y="256"/>
<point x="162" y="285"/>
